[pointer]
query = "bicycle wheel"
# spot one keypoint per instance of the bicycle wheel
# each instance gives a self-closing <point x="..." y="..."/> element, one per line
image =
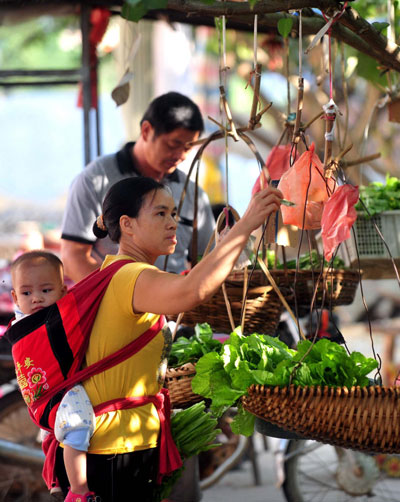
<point x="19" y="481"/>
<point x="324" y="473"/>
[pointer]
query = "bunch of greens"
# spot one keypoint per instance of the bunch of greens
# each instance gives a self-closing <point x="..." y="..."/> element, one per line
<point x="194" y="430"/>
<point x="378" y="197"/>
<point x="260" y="359"/>
<point x="186" y="350"/>
<point x="308" y="261"/>
<point x="312" y="261"/>
<point x="272" y="259"/>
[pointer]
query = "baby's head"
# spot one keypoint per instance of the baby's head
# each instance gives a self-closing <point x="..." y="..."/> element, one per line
<point x="37" y="280"/>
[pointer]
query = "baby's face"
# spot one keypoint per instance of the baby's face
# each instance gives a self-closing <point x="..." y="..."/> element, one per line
<point x="36" y="286"/>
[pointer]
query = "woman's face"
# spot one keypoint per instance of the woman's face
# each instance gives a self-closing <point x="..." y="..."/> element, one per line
<point x="154" y="229"/>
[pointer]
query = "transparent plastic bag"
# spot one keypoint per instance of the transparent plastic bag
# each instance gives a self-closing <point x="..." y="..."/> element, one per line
<point x="304" y="184"/>
<point x="277" y="163"/>
<point x="338" y="217"/>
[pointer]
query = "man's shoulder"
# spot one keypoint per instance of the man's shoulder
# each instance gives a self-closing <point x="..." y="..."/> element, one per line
<point x="99" y="173"/>
<point x="191" y="186"/>
<point x="180" y="179"/>
<point x="101" y="164"/>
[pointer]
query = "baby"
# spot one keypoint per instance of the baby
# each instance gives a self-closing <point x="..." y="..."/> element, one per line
<point x="38" y="282"/>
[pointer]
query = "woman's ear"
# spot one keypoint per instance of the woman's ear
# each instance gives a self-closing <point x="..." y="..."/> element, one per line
<point x="125" y="222"/>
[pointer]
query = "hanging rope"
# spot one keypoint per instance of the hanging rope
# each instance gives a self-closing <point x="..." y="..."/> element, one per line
<point x="300" y="94"/>
<point x="255" y="41"/>
<point x="330" y="108"/>
<point x="257" y="79"/>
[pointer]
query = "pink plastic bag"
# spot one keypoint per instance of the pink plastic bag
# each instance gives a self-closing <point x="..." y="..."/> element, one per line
<point x="307" y="194"/>
<point x="277" y="163"/>
<point x="338" y="217"/>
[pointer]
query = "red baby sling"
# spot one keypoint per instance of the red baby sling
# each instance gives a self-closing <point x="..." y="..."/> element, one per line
<point x="48" y="349"/>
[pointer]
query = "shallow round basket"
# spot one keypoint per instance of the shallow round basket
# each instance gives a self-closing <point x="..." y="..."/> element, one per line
<point x="262" y="314"/>
<point x="255" y="277"/>
<point x="336" y="287"/>
<point x="364" y="419"/>
<point x="269" y="429"/>
<point x="178" y="381"/>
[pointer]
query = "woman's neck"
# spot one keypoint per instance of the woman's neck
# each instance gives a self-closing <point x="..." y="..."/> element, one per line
<point x="136" y="253"/>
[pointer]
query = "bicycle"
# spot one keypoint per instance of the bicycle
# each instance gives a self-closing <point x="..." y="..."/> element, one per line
<point x="326" y="473"/>
<point x="21" y="457"/>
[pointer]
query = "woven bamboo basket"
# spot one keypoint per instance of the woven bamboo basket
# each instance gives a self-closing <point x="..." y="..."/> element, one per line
<point x="178" y="381"/>
<point x="337" y="287"/>
<point x="262" y="314"/>
<point x="364" y="419"/>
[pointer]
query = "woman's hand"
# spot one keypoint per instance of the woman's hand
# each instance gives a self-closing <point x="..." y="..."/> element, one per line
<point x="261" y="205"/>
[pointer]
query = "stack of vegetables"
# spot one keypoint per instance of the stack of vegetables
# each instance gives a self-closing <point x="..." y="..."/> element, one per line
<point x="308" y="261"/>
<point x="194" y="430"/>
<point x="224" y="376"/>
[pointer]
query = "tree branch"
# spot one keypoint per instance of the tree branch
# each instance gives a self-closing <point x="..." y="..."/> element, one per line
<point x="350" y="27"/>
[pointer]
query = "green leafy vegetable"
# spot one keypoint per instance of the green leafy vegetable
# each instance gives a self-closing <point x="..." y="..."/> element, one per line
<point x="194" y="430"/>
<point x="186" y="350"/>
<point x="378" y="197"/>
<point x="312" y="262"/>
<point x="224" y="377"/>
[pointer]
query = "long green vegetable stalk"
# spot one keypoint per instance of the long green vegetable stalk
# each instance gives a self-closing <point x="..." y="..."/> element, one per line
<point x="194" y="430"/>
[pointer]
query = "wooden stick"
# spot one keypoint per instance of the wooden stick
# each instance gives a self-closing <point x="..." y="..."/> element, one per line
<point x="343" y="153"/>
<point x="278" y="292"/>
<point x="256" y="95"/>
<point x="312" y="121"/>
<point x="300" y="96"/>
<point x="259" y="115"/>
<point x="219" y="135"/>
<point x="232" y="128"/>
<point x="343" y="164"/>
<point x="222" y="127"/>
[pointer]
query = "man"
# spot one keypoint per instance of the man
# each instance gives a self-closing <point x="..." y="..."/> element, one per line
<point x="169" y="123"/>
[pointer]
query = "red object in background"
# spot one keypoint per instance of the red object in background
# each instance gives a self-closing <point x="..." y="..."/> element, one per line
<point x="277" y="163"/>
<point x="304" y="184"/>
<point x="273" y="46"/>
<point x="338" y="217"/>
<point x="99" y="21"/>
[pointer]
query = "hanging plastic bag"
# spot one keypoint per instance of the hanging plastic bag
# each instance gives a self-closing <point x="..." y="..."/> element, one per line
<point x="338" y="217"/>
<point x="304" y="184"/>
<point x="277" y="163"/>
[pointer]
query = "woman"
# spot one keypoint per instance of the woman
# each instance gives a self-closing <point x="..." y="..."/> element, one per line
<point x="140" y="214"/>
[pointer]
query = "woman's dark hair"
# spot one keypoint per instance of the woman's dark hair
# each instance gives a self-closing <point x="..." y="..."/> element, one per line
<point x="124" y="197"/>
<point x="172" y="111"/>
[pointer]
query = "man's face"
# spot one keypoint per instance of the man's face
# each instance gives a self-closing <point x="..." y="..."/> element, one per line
<point x="166" y="151"/>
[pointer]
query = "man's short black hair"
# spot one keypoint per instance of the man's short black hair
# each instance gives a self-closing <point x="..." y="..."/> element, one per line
<point x="171" y="111"/>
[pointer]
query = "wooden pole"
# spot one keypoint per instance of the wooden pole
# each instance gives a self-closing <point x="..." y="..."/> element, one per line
<point x="85" y="28"/>
<point x="300" y="98"/>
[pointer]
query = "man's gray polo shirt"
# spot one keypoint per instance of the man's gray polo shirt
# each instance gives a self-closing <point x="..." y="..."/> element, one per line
<point x="89" y="188"/>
